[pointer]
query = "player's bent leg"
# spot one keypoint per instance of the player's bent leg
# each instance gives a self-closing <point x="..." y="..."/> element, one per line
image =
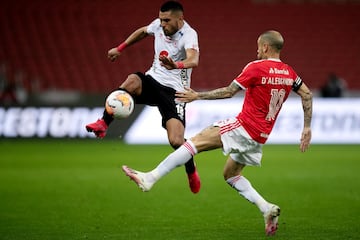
<point x="132" y="85"/>
<point x="233" y="176"/>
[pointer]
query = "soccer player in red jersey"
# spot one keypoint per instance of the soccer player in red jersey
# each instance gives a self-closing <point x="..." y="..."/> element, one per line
<point x="267" y="82"/>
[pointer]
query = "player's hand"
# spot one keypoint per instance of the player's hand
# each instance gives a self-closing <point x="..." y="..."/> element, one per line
<point x="188" y="96"/>
<point x="305" y="139"/>
<point x="167" y="62"/>
<point x="113" y="54"/>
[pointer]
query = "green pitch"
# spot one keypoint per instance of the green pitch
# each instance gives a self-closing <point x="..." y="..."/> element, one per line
<point x="74" y="189"/>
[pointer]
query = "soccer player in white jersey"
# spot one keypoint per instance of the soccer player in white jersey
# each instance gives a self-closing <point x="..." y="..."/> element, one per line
<point x="176" y="53"/>
<point x="267" y="82"/>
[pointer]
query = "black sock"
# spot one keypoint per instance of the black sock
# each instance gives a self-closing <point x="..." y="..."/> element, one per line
<point x="190" y="166"/>
<point x="107" y="118"/>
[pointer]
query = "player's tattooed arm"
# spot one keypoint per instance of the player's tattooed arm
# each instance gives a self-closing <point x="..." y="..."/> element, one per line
<point x="306" y="99"/>
<point x="220" y="93"/>
<point x="225" y="92"/>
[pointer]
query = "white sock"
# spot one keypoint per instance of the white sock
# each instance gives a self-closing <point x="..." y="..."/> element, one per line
<point x="243" y="186"/>
<point x="179" y="157"/>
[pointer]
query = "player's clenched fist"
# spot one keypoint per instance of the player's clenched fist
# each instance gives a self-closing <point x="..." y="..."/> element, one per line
<point x="113" y="54"/>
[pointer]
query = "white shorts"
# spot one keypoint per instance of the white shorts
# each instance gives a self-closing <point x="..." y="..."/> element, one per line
<point x="238" y="143"/>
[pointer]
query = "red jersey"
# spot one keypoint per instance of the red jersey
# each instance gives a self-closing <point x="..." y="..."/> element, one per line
<point x="268" y="84"/>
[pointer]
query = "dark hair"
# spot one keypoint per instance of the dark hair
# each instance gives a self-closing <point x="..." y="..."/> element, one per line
<point x="171" y="6"/>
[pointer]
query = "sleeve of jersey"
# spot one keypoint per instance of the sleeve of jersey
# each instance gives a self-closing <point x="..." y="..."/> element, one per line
<point x="150" y="29"/>
<point x="191" y="40"/>
<point x="245" y="78"/>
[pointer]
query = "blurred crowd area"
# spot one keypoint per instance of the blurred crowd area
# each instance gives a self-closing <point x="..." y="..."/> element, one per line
<point x="61" y="45"/>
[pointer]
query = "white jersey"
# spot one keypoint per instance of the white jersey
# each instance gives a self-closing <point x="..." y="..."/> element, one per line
<point x="175" y="47"/>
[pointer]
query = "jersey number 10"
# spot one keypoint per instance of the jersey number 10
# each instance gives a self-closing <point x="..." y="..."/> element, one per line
<point x="276" y="101"/>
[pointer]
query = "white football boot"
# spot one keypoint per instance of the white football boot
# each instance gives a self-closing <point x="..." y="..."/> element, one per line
<point x="138" y="177"/>
<point x="271" y="218"/>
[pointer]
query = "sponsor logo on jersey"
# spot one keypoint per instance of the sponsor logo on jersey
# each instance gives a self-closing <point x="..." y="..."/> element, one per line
<point x="279" y="71"/>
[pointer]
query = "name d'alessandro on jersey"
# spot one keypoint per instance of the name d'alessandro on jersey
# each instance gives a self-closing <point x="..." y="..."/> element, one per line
<point x="277" y="81"/>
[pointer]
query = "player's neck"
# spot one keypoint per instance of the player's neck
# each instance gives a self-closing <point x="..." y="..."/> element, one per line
<point x="181" y="24"/>
<point x="273" y="56"/>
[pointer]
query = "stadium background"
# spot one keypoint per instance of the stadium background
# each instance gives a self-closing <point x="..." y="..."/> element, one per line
<point x="63" y="44"/>
<point x="55" y="51"/>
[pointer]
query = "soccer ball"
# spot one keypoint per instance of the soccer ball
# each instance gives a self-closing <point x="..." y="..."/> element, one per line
<point x="119" y="104"/>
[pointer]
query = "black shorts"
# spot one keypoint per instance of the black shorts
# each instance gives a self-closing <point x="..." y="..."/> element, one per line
<point x="155" y="94"/>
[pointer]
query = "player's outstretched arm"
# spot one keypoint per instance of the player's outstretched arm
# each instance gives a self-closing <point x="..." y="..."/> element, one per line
<point x="136" y="36"/>
<point x="219" y="93"/>
<point x="306" y="99"/>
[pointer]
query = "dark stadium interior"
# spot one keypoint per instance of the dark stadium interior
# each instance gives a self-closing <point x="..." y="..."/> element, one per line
<point x="63" y="45"/>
